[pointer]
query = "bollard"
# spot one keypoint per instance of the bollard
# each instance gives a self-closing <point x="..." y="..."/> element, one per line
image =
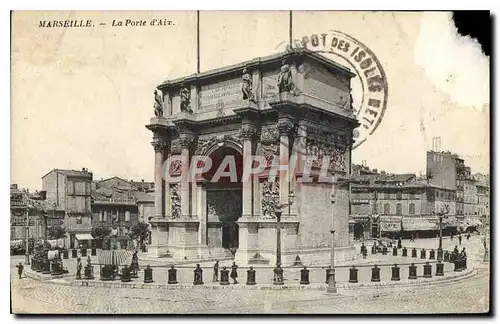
<point x="439" y="269"/>
<point x="148" y="274"/>
<point x="327" y="274"/>
<point x="384" y="250"/>
<point x="74" y="253"/>
<point x="65" y="254"/>
<point x="46" y="267"/>
<point x="457" y="265"/>
<point x="464" y="263"/>
<point x="395" y="273"/>
<point x="446" y="256"/>
<point x="375" y="274"/>
<point x="172" y="275"/>
<point x="427" y="270"/>
<point x="84" y="252"/>
<point x="198" y="275"/>
<point x="304" y="276"/>
<point x="353" y="275"/>
<point x="89" y="272"/>
<point x="432" y="255"/>
<point x="422" y="254"/>
<point x="224" y="276"/>
<point x="405" y="252"/>
<point x="125" y="274"/>
<point x="414" y="253"/>
<point x="412" y="271"/>
<point x="93" y="252"/>
<point x="278" y="275"/>
<point x="251" y="277"/>
<point x="394" y="251"/>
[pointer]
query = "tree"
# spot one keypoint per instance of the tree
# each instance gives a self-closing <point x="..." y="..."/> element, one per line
<point x="140" y="231"/>
<point x="100" y="232"/>
<point x="56" y="232"/>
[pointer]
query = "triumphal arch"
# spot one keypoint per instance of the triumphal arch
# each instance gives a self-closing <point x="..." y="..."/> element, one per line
<point x="281" y="107"/>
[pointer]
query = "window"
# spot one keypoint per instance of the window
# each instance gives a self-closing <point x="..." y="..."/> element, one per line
<point x="399" y="209"/>
<point x="127" y="216"/>
<point x="79" y="220"/>
<point x="411" y="209"/>
<point x="387" y="209"/>
<point x="105" y="215"/>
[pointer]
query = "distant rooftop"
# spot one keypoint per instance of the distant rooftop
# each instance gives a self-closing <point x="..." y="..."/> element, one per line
<point x="72" y="173"/>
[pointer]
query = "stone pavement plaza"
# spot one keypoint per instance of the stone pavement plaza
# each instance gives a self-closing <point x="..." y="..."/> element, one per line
<point x="468" y="295"/>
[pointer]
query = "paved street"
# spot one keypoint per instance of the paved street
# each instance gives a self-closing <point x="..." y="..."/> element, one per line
<point x="469" y="295"/>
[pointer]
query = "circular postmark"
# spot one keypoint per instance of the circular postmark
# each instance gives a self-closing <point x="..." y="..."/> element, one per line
<point x="369" y="89"/>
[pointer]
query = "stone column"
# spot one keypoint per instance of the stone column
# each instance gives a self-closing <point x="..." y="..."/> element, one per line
<point x="185" y="142"/>
<point x="167" y="208"/>
<point x="247" y="134"/>
<point x="285" y="127"/>
<point x="201" y="197"/>
<point x="159" y="146"/>
<point x="299" y="154"/>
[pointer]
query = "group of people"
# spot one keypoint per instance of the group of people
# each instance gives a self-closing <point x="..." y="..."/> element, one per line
<point x="233" y="274"/>
<point x="79" y="266"/>
<point x="455" y="255"/>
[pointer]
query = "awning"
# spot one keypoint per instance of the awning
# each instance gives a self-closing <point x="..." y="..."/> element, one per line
<point x="114" y="257"/>
<point x="419" y="225"/>
<point x="83" y="236"/>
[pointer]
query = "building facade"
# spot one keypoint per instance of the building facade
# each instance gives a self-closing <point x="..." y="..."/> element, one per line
<point x="69" y="194"/>
<point x="26" y="207"/>
<point x="392" y="204"/>
<point x="292" y="104"/>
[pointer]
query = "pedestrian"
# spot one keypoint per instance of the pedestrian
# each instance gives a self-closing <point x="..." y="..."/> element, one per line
<point x="20" y="269"/>
<point x="234" y="273"/>
<point x="451" y="236"/>
<point x="468" y="236"/>
<point x="400" y="245"/>
<point x="216" y="272"/>
<point x="460" y="239"/>
<point x="78" y="269"/>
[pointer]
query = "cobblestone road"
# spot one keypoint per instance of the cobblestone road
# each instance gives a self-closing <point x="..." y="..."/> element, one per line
<point x="470" y="295"/>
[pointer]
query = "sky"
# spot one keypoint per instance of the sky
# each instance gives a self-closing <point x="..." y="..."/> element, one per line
<point x="81" y="97"/>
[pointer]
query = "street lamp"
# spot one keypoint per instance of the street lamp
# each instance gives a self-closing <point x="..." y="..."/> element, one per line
<point x="443" y="212"/>
<point x="26" y="254"/>
<point x="278" y="211"/>
<point x="331" y="272"/>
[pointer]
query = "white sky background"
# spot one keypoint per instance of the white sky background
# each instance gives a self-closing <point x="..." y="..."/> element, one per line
<point x="81" y="97"/>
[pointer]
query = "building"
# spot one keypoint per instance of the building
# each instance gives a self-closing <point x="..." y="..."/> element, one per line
<point x="69" y="197"/>
<point x="271" y="106"/>
<point x="22" y="202"/>
<point x="385" y="204"/>
<point x="483" y="197"/>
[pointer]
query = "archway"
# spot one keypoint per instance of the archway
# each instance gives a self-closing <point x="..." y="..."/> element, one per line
<point x="224" y="197"/>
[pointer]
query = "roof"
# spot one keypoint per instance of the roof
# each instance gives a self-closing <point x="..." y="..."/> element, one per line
<point x="143" y="197"/>
<point x="70" y="173"/>
<point x="259" y="61"/>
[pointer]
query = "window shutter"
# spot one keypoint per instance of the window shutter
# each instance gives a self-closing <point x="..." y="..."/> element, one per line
<point x="127" y="216"/>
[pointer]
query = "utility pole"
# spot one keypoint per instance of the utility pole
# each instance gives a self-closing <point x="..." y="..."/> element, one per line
<point x="26" y="254"/>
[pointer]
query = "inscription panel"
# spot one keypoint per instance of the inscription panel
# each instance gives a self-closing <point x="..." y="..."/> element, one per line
<point x="220" y="94"/>
<point x="270" y="84"/>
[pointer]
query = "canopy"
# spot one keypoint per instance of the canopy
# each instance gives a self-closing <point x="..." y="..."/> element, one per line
<point x="83" y="236"/>
<point x="419" y="225"/>
<point x="114" y="257"/>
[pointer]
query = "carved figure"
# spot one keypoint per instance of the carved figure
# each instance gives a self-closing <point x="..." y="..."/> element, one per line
<point x="158" y="105"/>
<point x="246" y="86"/>
<point x="285" y="83"/>
<point x="185" y="100"/>
<point x="269" y="190"/>
<point x="176" y="201"/>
